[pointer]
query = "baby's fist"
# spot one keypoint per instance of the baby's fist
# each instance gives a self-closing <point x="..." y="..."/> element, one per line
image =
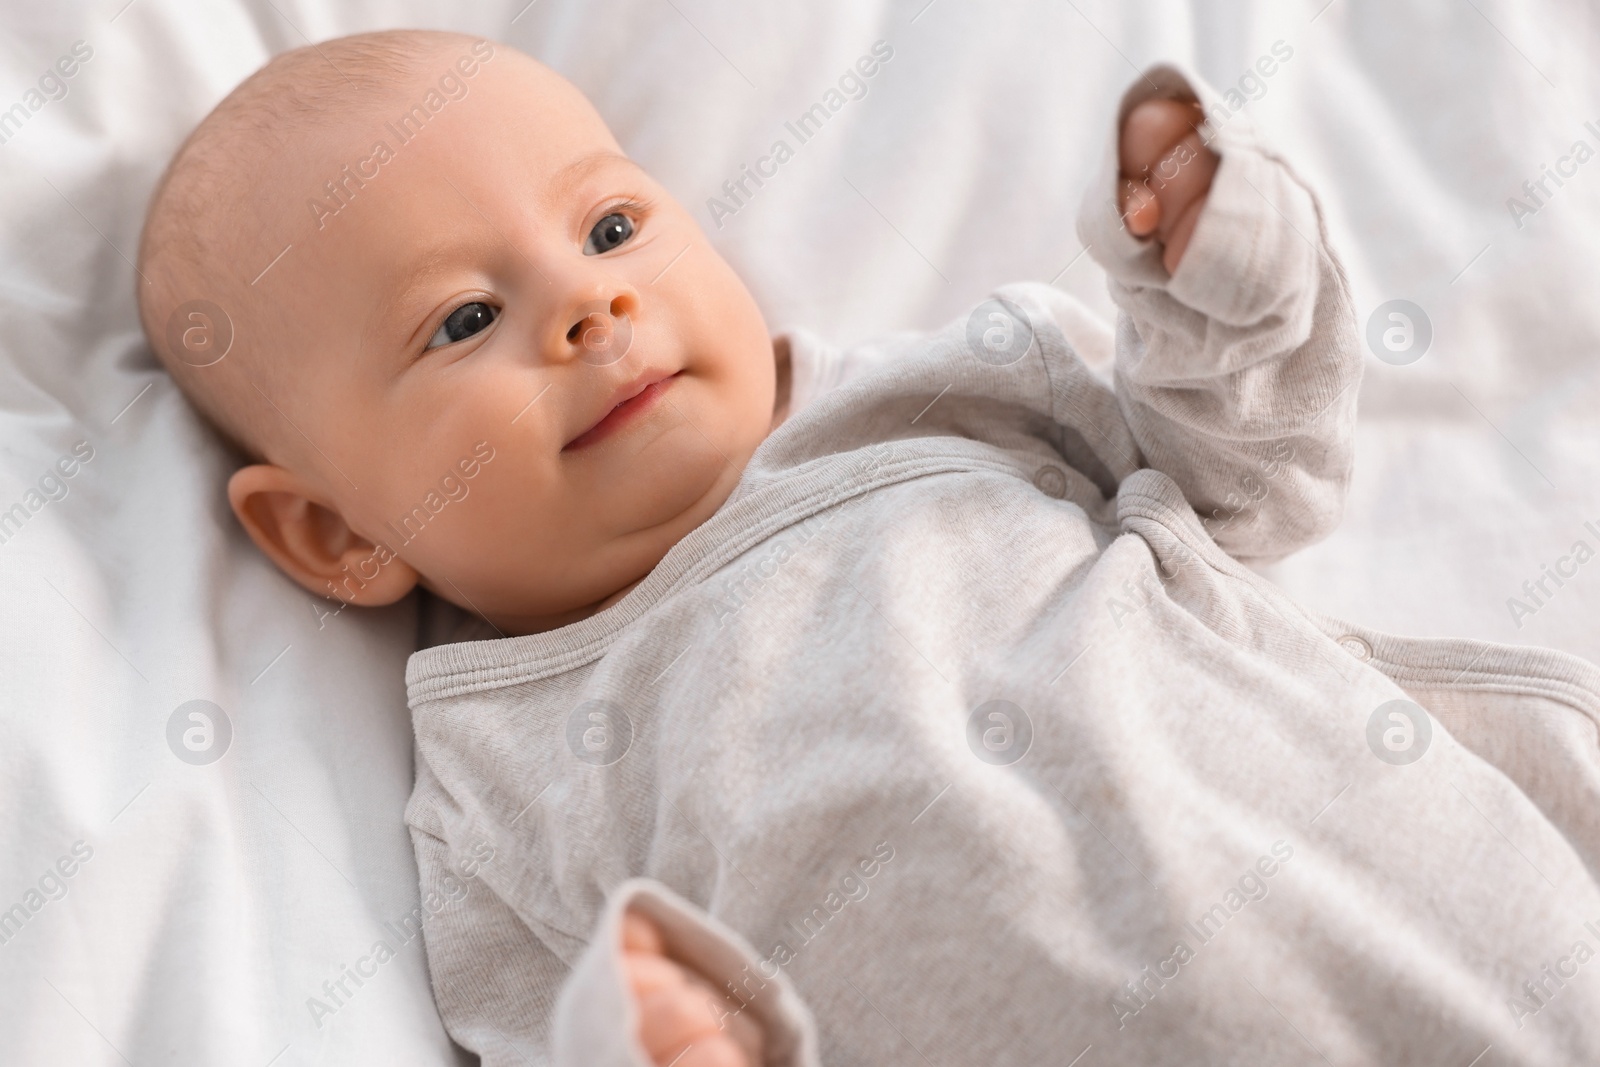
<point x="683" y="1021"/>
<point x="1166" y="173"/>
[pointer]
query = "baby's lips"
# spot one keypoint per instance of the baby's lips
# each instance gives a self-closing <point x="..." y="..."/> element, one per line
<point x="624" y="403"/>
<point x="603" y="338"/>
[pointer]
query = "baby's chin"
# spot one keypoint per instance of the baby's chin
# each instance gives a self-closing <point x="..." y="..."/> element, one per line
<point x="684" y="463"/>
<point x="639" y="525"/>
<point x="681" y="479"/>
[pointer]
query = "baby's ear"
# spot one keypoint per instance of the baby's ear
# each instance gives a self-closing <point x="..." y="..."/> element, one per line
<point x="311" y="542"/>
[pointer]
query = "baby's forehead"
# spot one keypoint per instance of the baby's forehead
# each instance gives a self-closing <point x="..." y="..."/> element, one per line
<point x="319" y="150"/>
<point x="324" y="128"/>
<point x="307" y="105"/>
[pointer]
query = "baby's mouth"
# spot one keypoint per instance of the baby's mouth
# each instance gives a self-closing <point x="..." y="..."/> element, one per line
<point x="637" y="398"/>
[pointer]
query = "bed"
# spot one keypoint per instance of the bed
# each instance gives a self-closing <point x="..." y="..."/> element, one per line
<point x="203" y="768"/>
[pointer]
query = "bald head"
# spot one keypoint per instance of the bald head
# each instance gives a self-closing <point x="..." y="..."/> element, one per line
<point x="206" y="245"/>
<point x="371" y="262"/>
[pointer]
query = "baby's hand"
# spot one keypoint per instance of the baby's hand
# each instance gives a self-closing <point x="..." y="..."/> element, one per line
<point x="683" y="1021"/>
<point x="1166" y="174"/>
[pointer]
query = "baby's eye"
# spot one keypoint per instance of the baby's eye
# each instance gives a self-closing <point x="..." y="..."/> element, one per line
<point x="608" y="233"/>
<point x="462" y="323"/>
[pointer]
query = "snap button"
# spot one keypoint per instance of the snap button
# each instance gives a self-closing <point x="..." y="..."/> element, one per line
<point x="1051" y="481"/>
<point x="1356" y="646"/>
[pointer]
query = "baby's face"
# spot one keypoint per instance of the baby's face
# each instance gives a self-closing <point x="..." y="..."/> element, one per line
<point x="506" y="285"/>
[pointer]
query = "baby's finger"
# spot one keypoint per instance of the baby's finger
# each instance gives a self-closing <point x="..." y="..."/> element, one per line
<point x="640" y="934"/>
<point x="1181" y="177"/>
<point x="1141" y="211"/>
<point x="1178" y="240"/>
<point x="669" y="1019"/>
<point x="745" y="1032"/>
<point x="733" y="1019"/>
<point x="1152" y="128"/>
<point x="647" y="973"/>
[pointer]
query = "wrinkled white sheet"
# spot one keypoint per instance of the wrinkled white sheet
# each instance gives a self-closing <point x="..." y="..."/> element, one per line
<point x="216" y="900"/>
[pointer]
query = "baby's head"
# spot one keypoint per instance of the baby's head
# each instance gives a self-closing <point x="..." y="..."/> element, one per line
<point x="411" y="275"/>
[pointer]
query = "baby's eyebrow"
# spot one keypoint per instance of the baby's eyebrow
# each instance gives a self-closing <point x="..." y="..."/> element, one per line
<point x="576" y="171"/>
<point x="428" y="264"/>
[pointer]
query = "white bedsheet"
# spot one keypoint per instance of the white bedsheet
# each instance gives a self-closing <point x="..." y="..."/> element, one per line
<point x="217" y="899"/>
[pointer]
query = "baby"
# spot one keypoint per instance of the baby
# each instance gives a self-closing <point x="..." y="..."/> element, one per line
<point x="901" y="704"/>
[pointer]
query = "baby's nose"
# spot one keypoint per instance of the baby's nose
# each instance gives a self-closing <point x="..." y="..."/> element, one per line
<point x="593" y="332"/>
<point x="601" y="336"/>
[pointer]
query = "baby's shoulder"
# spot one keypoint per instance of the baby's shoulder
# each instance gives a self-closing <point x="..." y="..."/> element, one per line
<point x="998" y="330"/>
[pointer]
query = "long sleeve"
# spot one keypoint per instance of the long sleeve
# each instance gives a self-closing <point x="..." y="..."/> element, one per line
<point x="1237" y="374"/>
<point x="496" y="983"/>
<point x="510" y="998"/>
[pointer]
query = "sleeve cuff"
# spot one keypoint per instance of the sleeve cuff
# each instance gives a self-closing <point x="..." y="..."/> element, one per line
<point x="596" y="1021"/>
<point x="1257" y="226"/>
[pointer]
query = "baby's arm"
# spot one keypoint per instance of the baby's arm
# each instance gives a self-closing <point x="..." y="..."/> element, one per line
<point x="683" y="1021"/>
<point x="1237" y="353"/>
